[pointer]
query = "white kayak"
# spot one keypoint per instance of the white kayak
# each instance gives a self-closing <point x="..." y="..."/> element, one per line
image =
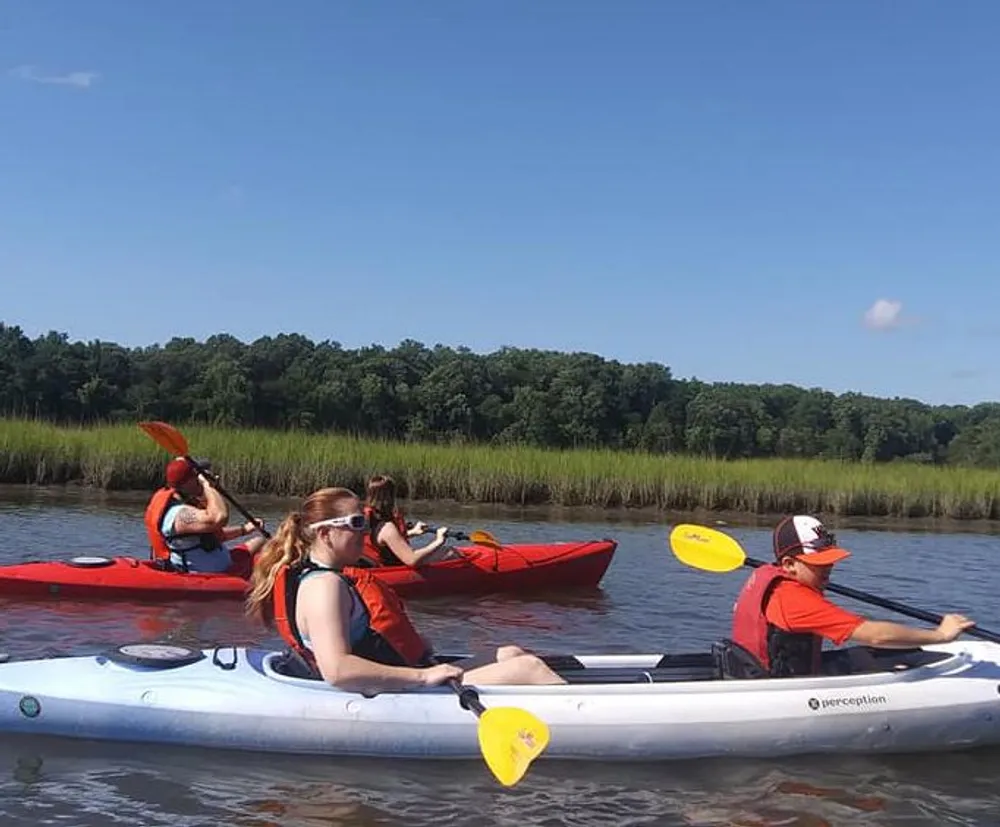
<point x="616" y="707"/>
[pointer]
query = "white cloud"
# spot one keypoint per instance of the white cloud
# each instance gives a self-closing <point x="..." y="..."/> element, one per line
<point x="81" y="80"/>
<point x="883" y="315"/>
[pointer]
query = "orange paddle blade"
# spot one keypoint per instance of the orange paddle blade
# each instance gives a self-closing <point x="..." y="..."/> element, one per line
<point x="484" y="538"/>
<point x="167" y="437"/>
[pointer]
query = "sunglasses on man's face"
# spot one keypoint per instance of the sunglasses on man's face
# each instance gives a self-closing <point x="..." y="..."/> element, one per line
<point x="355" y="522"/>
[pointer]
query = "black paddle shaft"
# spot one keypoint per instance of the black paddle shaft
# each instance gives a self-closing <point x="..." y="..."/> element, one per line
<point x="893" y="606"/>
<point x="468" y="698"/>
<point x="212" y="478"/>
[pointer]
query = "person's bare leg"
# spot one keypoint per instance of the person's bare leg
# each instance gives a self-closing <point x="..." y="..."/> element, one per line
<point x="514" y="669"/>
<point x="508" y="652"/>
<point x="255" y="544"/>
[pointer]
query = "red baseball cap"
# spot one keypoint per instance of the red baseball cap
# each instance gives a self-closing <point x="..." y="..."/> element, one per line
<point x="179" y="471"/>
<point x="806" y="537"/>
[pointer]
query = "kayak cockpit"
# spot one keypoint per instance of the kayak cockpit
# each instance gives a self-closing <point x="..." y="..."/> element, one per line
<point x="729" y="661"/>
<point x="725" y="661"/>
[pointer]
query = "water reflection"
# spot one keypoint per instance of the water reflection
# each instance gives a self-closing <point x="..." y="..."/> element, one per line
<point x="95" y="782"/>
<point x="647" y="602"/>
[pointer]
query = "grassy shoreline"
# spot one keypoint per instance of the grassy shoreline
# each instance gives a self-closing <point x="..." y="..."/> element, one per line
<point x="121" y="457"/>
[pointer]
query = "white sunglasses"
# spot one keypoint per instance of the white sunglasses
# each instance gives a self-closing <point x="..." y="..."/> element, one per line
<point x="355" y="522"/>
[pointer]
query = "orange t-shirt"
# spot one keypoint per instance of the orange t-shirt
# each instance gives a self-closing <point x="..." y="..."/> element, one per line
<point x="797" y="608"/>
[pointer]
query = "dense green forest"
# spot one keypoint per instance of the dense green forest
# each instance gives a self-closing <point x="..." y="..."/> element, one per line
<point x="510" y="397"/>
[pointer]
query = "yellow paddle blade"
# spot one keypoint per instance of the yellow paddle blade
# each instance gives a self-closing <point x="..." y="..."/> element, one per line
<point x="705" y="548"/>
<point x="166" y="436"/>
<point x="484" y="538"/>
<point x="511" y="739"/>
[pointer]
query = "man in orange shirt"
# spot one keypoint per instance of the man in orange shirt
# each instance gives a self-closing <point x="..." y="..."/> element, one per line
<point x="781" y="615"/>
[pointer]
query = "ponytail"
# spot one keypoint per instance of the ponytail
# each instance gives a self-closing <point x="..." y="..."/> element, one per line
<point x="287" y="547"/>
<point x="290" y="546"/>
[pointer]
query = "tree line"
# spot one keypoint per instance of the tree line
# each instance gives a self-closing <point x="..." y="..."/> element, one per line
<point x="515" y="396"/>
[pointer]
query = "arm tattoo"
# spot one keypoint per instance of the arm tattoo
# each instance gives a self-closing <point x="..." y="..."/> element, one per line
<point x="186" y="516"/>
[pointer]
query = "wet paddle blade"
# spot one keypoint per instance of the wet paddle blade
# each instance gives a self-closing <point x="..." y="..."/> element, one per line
<point x="167" y="437"/>
<point x="510" y="739"/>
<point x="484" y="538"/>
<point x="705" y="548"/>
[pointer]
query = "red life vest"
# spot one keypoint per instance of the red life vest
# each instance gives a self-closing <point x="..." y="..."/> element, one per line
<point x="161" y="500"/>
<point x="376" y="553"/>
<point x="781" y="653"/>
<point x="390" y="637"/>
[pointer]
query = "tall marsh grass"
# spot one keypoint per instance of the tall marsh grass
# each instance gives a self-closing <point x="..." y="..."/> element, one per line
<point x="283" y="463"/>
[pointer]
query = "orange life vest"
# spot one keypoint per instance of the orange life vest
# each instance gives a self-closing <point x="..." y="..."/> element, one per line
<point x="376" y="553"/>
<point x="158" y="505"/>
<point x="389" y="638"/>
<point x="159" y="551"/>
<point x="781" y="653"/>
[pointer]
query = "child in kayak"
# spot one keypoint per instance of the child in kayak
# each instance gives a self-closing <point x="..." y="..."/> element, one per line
<point x="350" y="629"/>
<point x="386" y="541"/>
<point x="186" y="522"/>
<point x="781" y="615"/>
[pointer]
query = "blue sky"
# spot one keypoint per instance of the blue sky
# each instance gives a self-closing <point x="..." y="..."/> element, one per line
<point x="723" y="187"/>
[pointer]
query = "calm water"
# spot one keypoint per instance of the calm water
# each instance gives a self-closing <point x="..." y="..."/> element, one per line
<point x="648" y="602"/>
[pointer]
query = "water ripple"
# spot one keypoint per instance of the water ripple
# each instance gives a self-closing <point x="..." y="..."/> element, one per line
<point x="648" y="602"/>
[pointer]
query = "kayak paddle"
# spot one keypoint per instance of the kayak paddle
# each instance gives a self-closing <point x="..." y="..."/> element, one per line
<point x="172" y="440"/>
<point x="509" y="738"/>
<point x="709" y="550"/>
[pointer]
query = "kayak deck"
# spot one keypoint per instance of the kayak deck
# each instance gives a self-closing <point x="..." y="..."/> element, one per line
<point x="121" y="578"/>
<point x="517" y="568"/>
<point x="615" y="707"/>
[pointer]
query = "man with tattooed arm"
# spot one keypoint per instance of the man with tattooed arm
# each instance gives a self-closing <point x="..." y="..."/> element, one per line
<point x="186" y="522"/>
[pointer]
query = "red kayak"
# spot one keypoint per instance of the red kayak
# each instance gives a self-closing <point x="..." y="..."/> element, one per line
<point x="483" y="569"/>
